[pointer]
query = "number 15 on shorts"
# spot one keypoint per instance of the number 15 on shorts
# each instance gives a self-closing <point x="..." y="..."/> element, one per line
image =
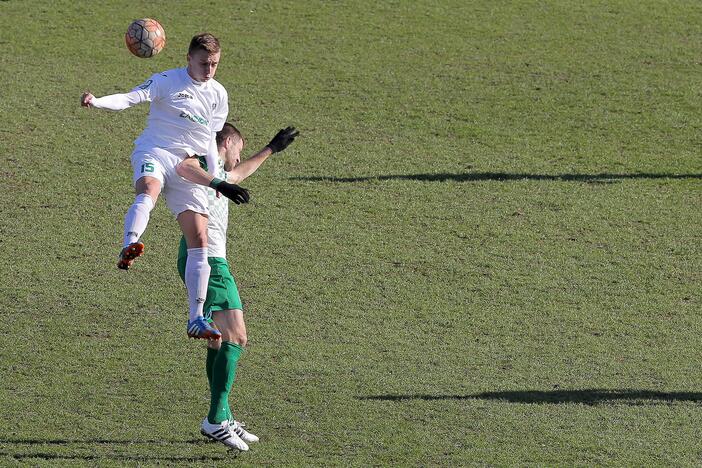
<point x="147" y="168"/>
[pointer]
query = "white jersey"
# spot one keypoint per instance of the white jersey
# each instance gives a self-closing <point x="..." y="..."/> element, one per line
<point x="184" y="113"/>
<point x="218" y="218"/>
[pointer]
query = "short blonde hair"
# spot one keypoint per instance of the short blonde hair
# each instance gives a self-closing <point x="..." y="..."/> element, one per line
<point x="204" y="41"/>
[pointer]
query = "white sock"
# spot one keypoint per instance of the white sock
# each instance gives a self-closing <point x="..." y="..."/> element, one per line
<point x="197" y="274"/>
<point x="137" y="218"/>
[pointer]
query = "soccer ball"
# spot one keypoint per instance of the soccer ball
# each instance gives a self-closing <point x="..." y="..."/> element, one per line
<point x="145" y="37"/>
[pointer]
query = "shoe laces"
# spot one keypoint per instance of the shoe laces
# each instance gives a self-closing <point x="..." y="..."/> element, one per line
<point x="234" y="423"/>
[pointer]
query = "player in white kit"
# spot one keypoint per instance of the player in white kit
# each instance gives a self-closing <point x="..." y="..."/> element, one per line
<point x="187" y="108"/>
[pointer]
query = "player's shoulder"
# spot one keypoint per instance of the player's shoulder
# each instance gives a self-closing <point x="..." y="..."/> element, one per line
<point x="166" y="80"/>
<point x="174" y="74"/>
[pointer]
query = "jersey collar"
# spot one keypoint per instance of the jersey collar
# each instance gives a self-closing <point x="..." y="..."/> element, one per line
<point x="192" y="80"/>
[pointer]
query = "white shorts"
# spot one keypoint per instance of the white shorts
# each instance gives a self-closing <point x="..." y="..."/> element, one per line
<point x="181" y="195"/>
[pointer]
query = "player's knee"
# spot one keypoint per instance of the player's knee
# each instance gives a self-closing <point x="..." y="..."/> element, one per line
<point x="195" y="240"/>
<point x="240" y="339"/>
<point x="235" y="336"/>
<point x="199" y="240"/>
<point x="149" y="186"/>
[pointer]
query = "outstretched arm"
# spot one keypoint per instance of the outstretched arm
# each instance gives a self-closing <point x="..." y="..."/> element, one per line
<point x="245" y="168"/>
<point x="190" y="169"/>
<point x="279" y="142"/>
<point x="113" y="102"/>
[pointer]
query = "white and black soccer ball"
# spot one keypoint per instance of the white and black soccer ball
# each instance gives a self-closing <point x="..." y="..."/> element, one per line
<point x="145" y="37"/>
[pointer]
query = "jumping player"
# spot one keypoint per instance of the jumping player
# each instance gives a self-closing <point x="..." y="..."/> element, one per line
<point x="223" y="305"/>
<point x="187" y="108"/>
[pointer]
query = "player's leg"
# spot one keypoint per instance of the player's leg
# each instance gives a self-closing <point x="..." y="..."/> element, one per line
<point x="227" y="431"/>
<point x="225" y="307"/>
<point x="219" y="295"/>
<point x="213" y="345"/>
<point x="197" y="272"/>
<point x="212" y="350"/>
<point x="148" y="180"/>
<point x="137" y="218"/>
<point x="231" y="324"/>
<point x="189" y="203"/>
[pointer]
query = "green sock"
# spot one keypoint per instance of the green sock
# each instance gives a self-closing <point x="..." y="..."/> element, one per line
<point x="209" y="364"/>
<point x="223" y="374"/>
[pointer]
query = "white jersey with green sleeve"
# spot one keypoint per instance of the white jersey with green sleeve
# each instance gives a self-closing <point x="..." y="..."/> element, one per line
<point x="218" y="218"/>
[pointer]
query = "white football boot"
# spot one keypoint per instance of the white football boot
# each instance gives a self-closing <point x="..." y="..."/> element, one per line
<point x="239" y="430"/>
<point x="224" y="433"/>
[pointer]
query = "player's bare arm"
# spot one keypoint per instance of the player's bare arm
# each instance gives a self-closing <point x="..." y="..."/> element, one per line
<point x="280" y="141"/>
<point x="190" y="169"/>
<point x="245" y="168"/>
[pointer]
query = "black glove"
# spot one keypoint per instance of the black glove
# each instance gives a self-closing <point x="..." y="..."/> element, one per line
<point x="233" y="192"/>
<point x="282" y="139"/>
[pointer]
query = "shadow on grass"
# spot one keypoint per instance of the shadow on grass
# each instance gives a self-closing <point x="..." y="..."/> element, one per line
<point x="82" y="445"/>
<point x="112" y="456"/>
<point x="503" y="176"/>
<point x="591" y="397"/>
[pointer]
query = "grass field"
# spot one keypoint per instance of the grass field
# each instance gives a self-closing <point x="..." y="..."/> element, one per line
<point x="483" y="250"/>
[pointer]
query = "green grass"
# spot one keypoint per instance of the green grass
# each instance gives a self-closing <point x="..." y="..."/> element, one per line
<point x="484" y="248"/>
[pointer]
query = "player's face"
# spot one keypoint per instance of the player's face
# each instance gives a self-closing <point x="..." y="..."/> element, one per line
<point x="233" y="155"/>
<point x="202" y="65"/>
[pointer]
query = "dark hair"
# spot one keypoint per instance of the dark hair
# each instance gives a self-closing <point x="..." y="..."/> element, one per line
<point x="228" y="130"/>
<point x="204" y="41"/>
